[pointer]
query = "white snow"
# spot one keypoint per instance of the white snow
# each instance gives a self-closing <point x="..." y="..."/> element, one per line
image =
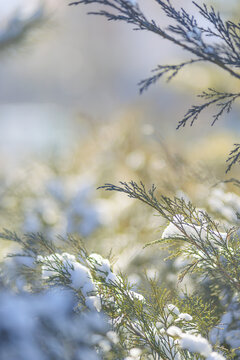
<point x="215" y="356"/>
<point x="132" y="2"/>
<point x="185" y="317"/>
<point x="218" y="333"/>
<point x="226" y="204"/>
<point x="174" y="331"/>
<point x="196" y="344"/>
<point x="232" y="338"/>
<point x="113" y="337"/>
<point x="80" y="275"/>
<point x="93" y="303"/>
<point x="180" y="229"/>
<point x="135" y="295"/>
<point x="173" y="309"/>
<point x="112" y="278"/>
<point x="197" y="31"/>
<point x="209" y="50"/>
<point x="101" y="265"/>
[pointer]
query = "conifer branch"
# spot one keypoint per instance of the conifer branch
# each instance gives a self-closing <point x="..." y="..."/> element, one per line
<point x="234" y="157"/>
<point x="223" y="51"/>
<point x="169" y="70"/>
<point x="223" y="101"/>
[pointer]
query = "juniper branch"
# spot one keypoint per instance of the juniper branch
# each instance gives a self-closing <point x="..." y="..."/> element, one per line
<point x="200" y="233"/>
<point x="224" y="31"/>
<point x="125" y="11"/>
<point x="170" y="70"/>
<point x="222" y="100"/>
<point x="234" y="181"/>
<point x="234" y="157"/>
<point x="185" y="33"/>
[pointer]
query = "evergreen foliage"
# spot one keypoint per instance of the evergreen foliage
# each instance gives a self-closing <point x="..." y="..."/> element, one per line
<point x="218" y="43"/>
<point x="149" y="323"/>
<point x="61" y="301"/>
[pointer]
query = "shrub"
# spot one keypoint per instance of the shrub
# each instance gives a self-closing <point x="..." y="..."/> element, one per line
<point x="67" y="303"/>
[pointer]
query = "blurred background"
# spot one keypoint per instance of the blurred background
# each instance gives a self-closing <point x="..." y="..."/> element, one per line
<point x="71" y="119"/>
<point x="57" y="64"/>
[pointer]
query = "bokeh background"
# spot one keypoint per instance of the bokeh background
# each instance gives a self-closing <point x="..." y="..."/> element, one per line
<point x="71" y="119"/>
<point x="60" y="64"/>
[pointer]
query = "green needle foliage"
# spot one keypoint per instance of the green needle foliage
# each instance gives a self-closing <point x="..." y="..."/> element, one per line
<point x="141" y="322"/>
<point x="193" y="232"/>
